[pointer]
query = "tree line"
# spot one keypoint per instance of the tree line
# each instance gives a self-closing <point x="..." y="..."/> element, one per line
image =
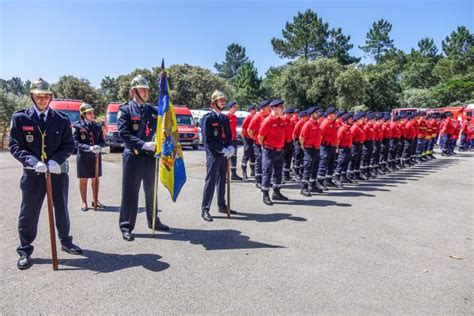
<point x="320" y="71"/>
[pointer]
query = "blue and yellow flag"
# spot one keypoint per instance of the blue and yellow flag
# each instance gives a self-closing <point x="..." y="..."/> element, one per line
<point x="168" y="148"/>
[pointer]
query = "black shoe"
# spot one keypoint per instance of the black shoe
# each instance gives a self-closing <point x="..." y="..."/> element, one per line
<point x="330" y="183"/>
<point x="277" y="196"/>
<point x="244" y="174"/>
<point x="266" y="199"/>
<point x="433" y="156"/>
<point x="305" y="192"/>
<point x="338" y="183"/>
<point x="359" y="177"/>
<point x="159" y="226"/>
<point x="100" y="206"/>
<point x="347" y="179"/>
<point x="314" y="188"/>
<point x="24" y="262"/>
<point x="287" y="178"/>
<point x="258" y="185"/>
<point x="322" y="184"/>
<point x="235" y="177"/>
<point x="224" y="211"/>
<point x="206" y="216"/>
<point x="71" y="249"/>
<point x="252" y="172"/>
<point x="128" y="236"/>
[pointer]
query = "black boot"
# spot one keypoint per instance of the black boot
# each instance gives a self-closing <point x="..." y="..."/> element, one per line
<point x="337" y="181"/>
<point x="322" y="184"/>
<point x="252" y="170"/>
<point x="244" y="173"/>
<point x="314" y="187"/>
<point x="266" y="198"/>
<point x="287" y="177"/>
<point x="304" y="190"/>
<point x="359" y="176"/>
<point x="277" y="196"/>
<point x="235" y="176"/>
<point x="346" y="179"/>
<point x="329" y="183"/>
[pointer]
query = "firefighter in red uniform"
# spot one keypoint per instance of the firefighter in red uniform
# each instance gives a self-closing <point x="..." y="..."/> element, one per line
<point x="344" y="137"/>
<point x="310" y="141"/>
<point x="470" y="134"/>
<point x="358" y="139"/>
<point x="454" y="136"/>
<point x="434" y="124"/>
<point x="232" y="108"/>
<point x="328" y="149"/>
<point x="249" y="154"/>
<point x="272" y="138"/>
<point x="421" y="138"/>
<point x="410" y="136"/>
<point x="385" y="145"/>
<point x="252" y="131"/>
<point x="368" y="145"/>
<point x="298" y="153"/>
<point x="394" y="145"/>
<point x="377" y="144"/>
<point x="446" y="130"/>
<point x="289" y="149"/>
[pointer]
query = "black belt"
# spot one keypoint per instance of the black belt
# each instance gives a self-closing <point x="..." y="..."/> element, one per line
<point x="328" y="144"/>
<point x="312" y="147"/>
<point x="272" y="148"/>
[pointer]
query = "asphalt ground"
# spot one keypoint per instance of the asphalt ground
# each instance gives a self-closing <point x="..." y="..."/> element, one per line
<point x="398" y="244"/>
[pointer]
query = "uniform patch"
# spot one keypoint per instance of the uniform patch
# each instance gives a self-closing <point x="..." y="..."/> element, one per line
<point x="135" y="118"/>
<point x="215" y="124"/>
<point x="28" y="128"/>
<point x="83" y="136"/>
<point x="83" y="130"/>
<point x="29" y="138"/>
<point x="135" y="127"/>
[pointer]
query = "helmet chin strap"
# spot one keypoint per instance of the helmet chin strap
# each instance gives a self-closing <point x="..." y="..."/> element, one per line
<point x="139" y="96"/>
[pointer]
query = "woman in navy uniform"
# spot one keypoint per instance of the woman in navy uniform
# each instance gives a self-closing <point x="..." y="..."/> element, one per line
<point x="41" y="139"/>
<point x="216" y="138"/>
<point x="137" y="127"/>
<point x="89" y="140"/>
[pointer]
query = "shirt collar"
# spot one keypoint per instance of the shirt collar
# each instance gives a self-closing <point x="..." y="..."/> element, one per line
<point x="39" y="113"/>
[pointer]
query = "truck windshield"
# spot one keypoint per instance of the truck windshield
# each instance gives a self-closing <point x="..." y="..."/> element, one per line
<point x="184" y="119"/>
<point x="73" y="116"/>
<point x="112" y="118"/>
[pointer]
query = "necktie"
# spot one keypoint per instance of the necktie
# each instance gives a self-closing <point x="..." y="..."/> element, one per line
<point x="42" y="123"/>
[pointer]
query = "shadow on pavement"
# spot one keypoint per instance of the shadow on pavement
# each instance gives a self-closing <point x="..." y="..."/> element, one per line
<point x="221" y="239"/>
<point x="102" y="262"/>
<point x="264" y="218"/>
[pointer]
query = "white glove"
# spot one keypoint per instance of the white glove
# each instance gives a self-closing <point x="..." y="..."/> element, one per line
<point x="225" y="152"/>
<point x="231" y="150"/>
<point x="150" y="146"/>
<point x="54" y="167"/>
<point x="41" y="167"/>
<point x="96" y="149"/>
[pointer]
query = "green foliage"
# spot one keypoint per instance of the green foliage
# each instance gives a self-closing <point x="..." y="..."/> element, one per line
<point x="350" y="87"/>
<point x="459" y="43"/>
<point x="235" y="58"/>
<point x="378" y="40"/>
<point x="382" y="87"/>
<point x="246" y="85"/>
<point x="420" y="98"/>
<point x="9" y="103"/>
<point x="193" y="85"/>
<point x="15" y="85"/>
<point x="271" y="85"/>
<point x="70" y="87"/>
<point x="456" y="89"/>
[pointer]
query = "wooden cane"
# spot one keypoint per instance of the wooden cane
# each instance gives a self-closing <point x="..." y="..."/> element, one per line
<point x="96" y="182"/>
<point x="228" y="188"/>
<point x="155" y="195"/>
<point x="52" y="232"/>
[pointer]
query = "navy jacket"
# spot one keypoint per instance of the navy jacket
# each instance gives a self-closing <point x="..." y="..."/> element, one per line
<point x="135" y="127"/>
<point x="216" y="134"/>
<point x="87" y="135"/>
<point x="25" y="137"/>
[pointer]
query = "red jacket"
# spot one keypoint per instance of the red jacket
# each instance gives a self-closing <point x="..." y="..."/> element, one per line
<point x="369" y="131"/>
<point x="395" y="130"/>
<point x="273" y="131"/>
<point x="410" y="130"/>
<point x="470" y="129"/>
<point x="358" y="134"/>
<point x="311" y="133"/>
<point x="447" y="127"/>
<point x="298" y="127"/>
<point x="245" y="125"/>
<point x="378" y="132"/>
<point x="255" y="124"/>
<point x="233" y="125"/>
<point x="329" y="132"/>
<point x="422" y="129"/>
<point x="386" y="130"/>
<point x="344" y="136"/>
<point x="457" y="129"/>
<point x="289" y="128"/>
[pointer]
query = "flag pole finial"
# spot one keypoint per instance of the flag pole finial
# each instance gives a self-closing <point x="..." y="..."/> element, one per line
<point x="163" y="64"/>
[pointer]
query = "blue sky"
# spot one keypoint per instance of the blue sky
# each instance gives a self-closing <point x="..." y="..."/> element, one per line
<point x="93" y="39"/>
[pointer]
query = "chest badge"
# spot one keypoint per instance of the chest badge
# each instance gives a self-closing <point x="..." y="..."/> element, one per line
<point x="135" y="127"/>
<point x="29" y="138"/>
<point x="83" y="136"/>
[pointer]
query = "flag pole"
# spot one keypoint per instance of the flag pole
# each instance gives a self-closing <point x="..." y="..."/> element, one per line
<point x="157" y="159"/>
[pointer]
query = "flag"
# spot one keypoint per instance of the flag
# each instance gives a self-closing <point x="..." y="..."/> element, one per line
<point x="168" y="147"/>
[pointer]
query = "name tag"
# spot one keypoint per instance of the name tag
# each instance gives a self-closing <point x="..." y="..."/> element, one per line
<point x="136" y="118"/>
<point x="215" y="124"/>
<point x="28" y="128"/>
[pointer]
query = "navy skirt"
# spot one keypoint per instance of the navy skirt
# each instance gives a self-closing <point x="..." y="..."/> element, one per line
<point x="86" y="164"/>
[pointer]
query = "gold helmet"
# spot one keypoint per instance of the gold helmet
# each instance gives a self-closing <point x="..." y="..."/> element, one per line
<point x="40" y="87"/>
<point x="139" y="82"/>
<point x="85" y="107"/>
<point x="216" y="95"/>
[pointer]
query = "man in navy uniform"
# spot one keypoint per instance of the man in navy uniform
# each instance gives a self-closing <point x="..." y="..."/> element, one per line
<point x="216" y="138"/>
<point x="137" y="127"/>
<point x="41" y="139"/>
